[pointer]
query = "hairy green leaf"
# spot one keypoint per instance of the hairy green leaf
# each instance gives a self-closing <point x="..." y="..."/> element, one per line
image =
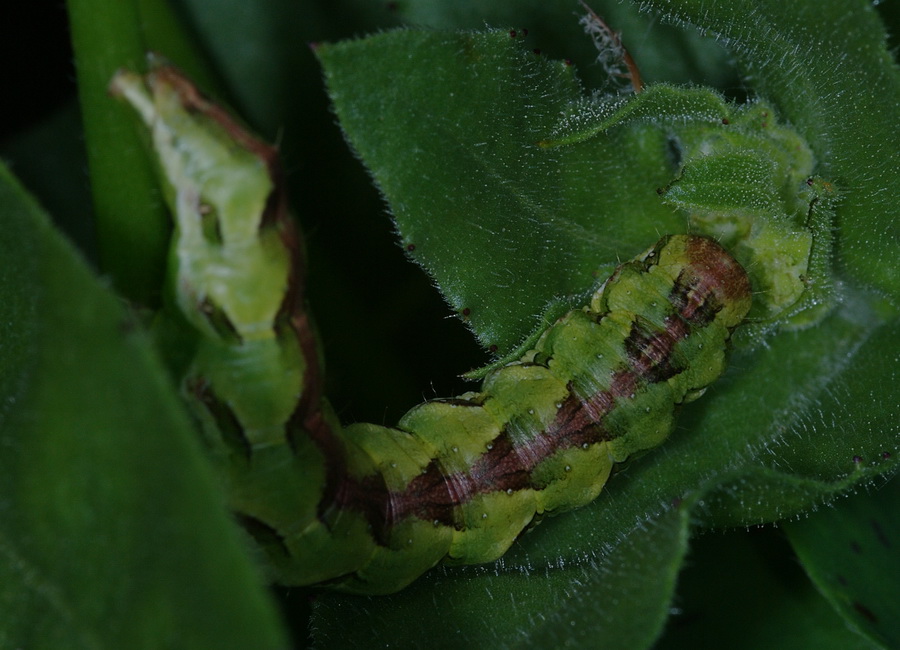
<point x="506" y="224"/>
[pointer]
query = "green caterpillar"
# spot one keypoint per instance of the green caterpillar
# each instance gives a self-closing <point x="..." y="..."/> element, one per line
<point x="367" y="508"/>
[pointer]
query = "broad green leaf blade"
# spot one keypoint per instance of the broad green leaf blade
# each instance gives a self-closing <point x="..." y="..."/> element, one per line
<point x="113" y="533"/>
<point x="503" y="224"/>
<point x="802" y="61"/>
<point x="850" y="552"/>
<point x="764" y="601"/>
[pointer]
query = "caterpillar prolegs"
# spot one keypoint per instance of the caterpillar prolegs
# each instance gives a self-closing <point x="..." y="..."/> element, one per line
<point x="369" y="508"/>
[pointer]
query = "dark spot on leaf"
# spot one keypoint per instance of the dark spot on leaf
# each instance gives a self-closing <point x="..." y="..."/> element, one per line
<point x="524" y="33"/>
<point x="466" y="312"/>
<point x="512" y="33"/>
<point x="410" y="247"/>
<point x="865" y="612"/>
<point x="855" y="547"/>
<point x="493" y="348"/>
<point x="885" y="455"/>
<point x="266" y="536"/>
<point x="880" y="534"/>
<point x="725" y="120"/>
<point x="857" y="459"/>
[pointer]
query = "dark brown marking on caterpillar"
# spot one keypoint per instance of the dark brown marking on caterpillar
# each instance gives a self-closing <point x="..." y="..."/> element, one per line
<point x="503" y="466"/>
<point x="226" y="421"/>
<point x="649" y="351"/>
<point x="429" y="497"/>
<point x="310" y="422"/>
<point x="264" y="535"/>
<point x="371" y="498"/>
<point x="708" y="282"/>
<point x="219" y="321"/>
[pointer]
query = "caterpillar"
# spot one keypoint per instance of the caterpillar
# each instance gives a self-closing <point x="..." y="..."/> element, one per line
<point x="367" y="508"/>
